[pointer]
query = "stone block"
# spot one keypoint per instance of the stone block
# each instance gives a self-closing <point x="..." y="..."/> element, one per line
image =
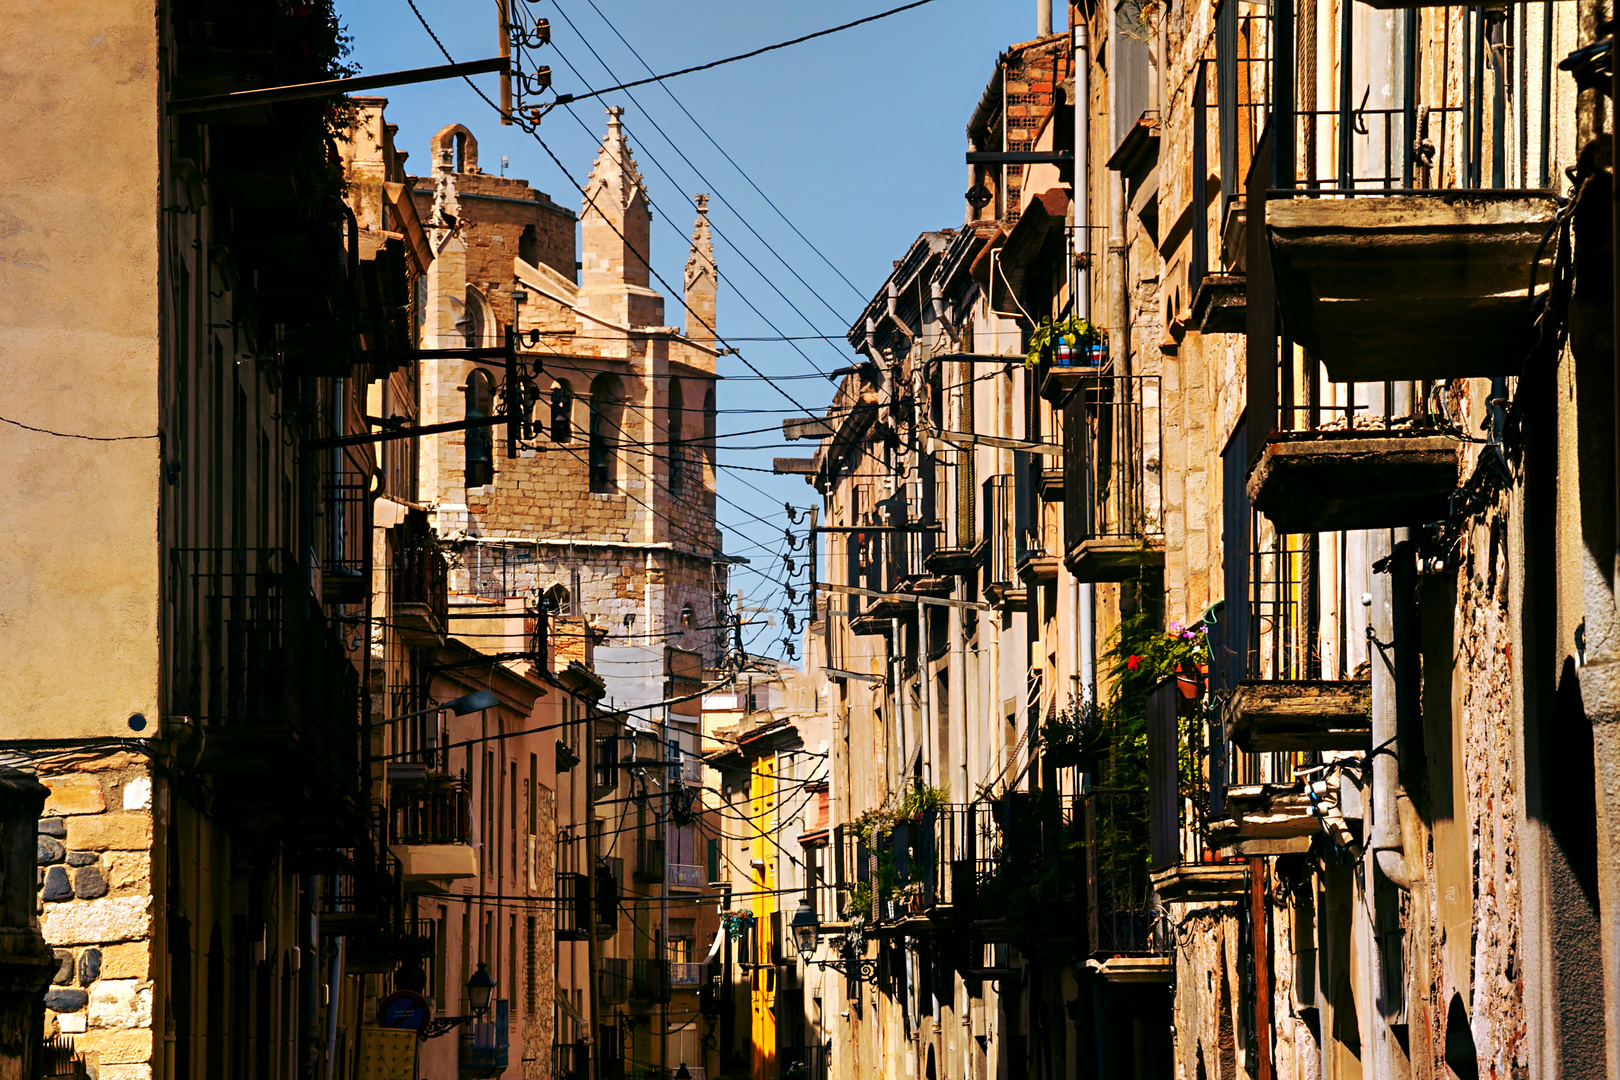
<point x="89" y="966"/>
<point x="57" y="886"/>
<point x="129" y="1046"/>
<point x="50" y="826"/>
<point x="131" y="960"/>
<point x="81" y="858"/>
<point x="71" y="1023"/>
<point x="88" y="883"/>
<point x="121" y="1003"/>
<point x="128" y="831"/>
<point x="138" y="794"/>
<point x="125" y="1072"/>
<point x="73" y="794"/>
<point x="64" y="1000"/>
<point x="128" y="868"/>
<point x="50" y="850"/>
<point x="97" y="922"/>
<point x="64" y="966"/>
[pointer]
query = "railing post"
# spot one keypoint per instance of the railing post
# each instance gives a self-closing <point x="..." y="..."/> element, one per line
<point x="25" y="960"/>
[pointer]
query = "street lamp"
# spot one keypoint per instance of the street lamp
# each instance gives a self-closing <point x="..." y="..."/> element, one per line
<point x="480" y="988"/>
<point x="476" y="701"/>
<point x="806" y="927"/>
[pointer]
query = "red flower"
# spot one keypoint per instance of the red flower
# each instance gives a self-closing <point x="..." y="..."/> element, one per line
<point x="1133" y="663"/>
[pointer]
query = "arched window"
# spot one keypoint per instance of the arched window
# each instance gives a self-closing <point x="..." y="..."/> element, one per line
<point x="677" y="444"/>
<point x="480" y="442"/>
<point x="708" y="428"/>
<point x="472" y="319"/>
<point x="562" y="412"/>
<point x="606" y="406"/>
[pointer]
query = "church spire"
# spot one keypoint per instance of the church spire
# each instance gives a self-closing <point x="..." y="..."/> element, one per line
<point x="615" y="226"/>
<point x="701" y="281"/>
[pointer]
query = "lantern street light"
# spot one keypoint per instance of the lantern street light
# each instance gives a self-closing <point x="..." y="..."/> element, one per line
<point x="480" y="988"/>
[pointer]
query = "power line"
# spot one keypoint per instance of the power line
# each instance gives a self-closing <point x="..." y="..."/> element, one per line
<point x="564" y="99"/>
<point x="706" y="181"/>
<point x="696" y="123"/>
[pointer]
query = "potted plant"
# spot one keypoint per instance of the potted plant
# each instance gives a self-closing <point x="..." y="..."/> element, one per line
<point x="1070" y="342"/>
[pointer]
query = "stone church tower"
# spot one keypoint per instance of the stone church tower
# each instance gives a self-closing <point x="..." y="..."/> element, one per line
<point x="609" y="511"/>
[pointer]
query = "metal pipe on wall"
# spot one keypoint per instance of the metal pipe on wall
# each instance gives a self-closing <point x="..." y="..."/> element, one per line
<point x="1083" y="596"/>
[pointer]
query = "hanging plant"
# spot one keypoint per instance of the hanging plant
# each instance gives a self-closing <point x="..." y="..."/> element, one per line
<point x="736" y="922"/>
<point x="1070" y="342"/>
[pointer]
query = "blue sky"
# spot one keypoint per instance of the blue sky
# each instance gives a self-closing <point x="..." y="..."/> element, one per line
<point x="856" y="138"/>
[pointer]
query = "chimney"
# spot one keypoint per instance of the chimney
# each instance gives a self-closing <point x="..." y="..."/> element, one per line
<point x="1043" y="17"/>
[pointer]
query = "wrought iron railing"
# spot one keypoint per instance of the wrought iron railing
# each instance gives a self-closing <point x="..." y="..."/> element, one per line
<point x="484" y="1043"/>
<point x="573" y="915"/>
<point x="250" y="649"/>
<point x="432" y="812"/>
<point x="614" y="979"/>
<point x="422" y="577"/>
<point x="1112" y="432"/>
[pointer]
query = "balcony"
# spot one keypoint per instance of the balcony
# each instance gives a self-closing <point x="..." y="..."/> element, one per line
<point x="482" y="1046"/>
<point x="685" y="976"/>
<point x="253" y="660"/>
<point x="614" y="980"/>
<point x="1364" y="473"/>
<point x="1426" y="286"/>
<point x="1002" y="586"/>
<point x="1113" y="507"/>
<point x="1301" y="715"/>
<point x="573" y="918"/>
<point x="649" y="981"/>
<point x="650" y="865"/>
<point x="428" y="833"/>
<point x="609" y="884"/>
<point x="419" y="602"/>
<point x="687" y="876"/>
<point x="893" y="561"/>
<point x="571" y="1061"/>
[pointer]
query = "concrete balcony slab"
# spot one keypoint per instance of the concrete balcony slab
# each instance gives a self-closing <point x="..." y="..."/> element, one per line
<point x="1114" y="558"/>
<point x="1303" y="714"/>
<point x="1428" y="286"/>
<point x="1324" y="480"/>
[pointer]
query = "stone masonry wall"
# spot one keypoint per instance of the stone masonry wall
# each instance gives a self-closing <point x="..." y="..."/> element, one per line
<point x="95" y="889"/>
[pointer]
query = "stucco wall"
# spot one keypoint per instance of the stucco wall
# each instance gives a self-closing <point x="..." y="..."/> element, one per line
<point x="79" y="355"/>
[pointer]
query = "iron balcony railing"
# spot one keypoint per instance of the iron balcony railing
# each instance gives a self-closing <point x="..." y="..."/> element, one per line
<point x="650" y="980"/>
<point x="421" y="578"/>
<point x="1000" y="531"/>
<point x="1113" y="440"/>
<point x="484" y="1043"/>
<point x="251" y="652"/>
<point x="687" y="875"/>
<point x="650" y="864"/>
<point x="573" y="915"/>
<point x="570" y="1061"/>
<point x="609" y="886"/>
<point x="685" y="974"/>
<point x="614" y="979"/>
<point x="430" y="812"/>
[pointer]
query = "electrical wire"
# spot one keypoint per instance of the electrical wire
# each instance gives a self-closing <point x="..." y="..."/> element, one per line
<point x="562" y="99"/>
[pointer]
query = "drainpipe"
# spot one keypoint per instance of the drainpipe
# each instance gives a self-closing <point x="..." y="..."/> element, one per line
<point x="334" y="992"/>
<point x="1083" y="596"/>
<point x="309" y="977"/>
<point x="1394" y="667"/>
<point x="1392" y="655"/>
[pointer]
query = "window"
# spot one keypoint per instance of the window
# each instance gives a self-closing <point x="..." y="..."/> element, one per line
<point x="606" y="407"/>
<point x="562" y="412"/>
<point x="677" y="446"/>
<point x="530" y="965"/>
<point x="480" y="441"/>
